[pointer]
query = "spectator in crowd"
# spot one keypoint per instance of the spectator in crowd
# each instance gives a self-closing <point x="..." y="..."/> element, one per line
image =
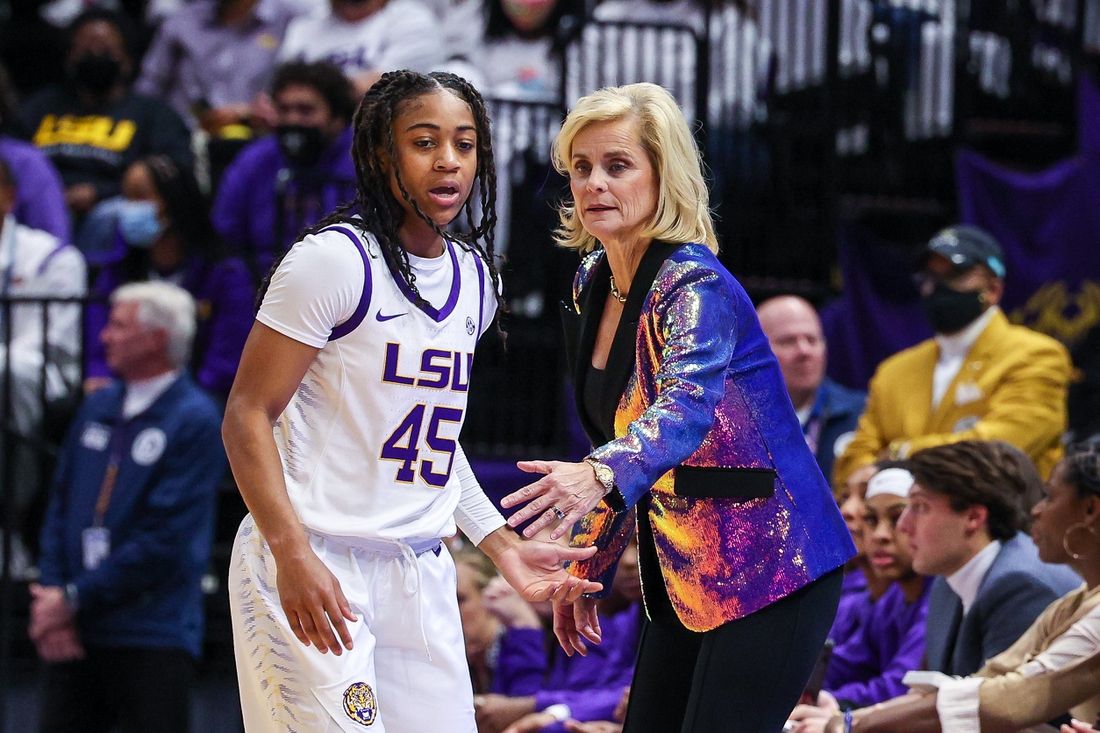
<point x="515" y="58"/>
<point x="862" y="586"/>
<point x="118" y="611"/>
<point x="1052" y="671"/>
<point x="869" y="666"/>
<point x="501" y="630"/>
<point x="95" y="126"/>
<point x="211" y="58"/>
<point x="584" y="688"/>
<point x="35" y="264"/>
<point x="366" y="38"/>
<point x="40" y="199"/>
<point x="827" y="411"/>
<point x="279" y="185"/>
<point x="963" y="525"/>
<point x="164" y="233"/>
<point x="980" y="377"/>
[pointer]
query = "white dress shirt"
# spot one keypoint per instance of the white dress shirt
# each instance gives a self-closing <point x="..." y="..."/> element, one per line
<point x="953" y="351"/>
<point x="968" y="579"/>
<point x="142" y="393"/>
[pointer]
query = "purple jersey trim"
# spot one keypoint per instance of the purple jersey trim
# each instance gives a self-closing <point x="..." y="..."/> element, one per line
<point x="360" y="313"/>
<point x="481" y="295"/>
<point x="452" y="299"/>
<point x="49" y="258"/>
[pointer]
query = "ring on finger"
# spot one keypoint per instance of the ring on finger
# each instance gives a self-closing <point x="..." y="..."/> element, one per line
<point x="557" y="512"/>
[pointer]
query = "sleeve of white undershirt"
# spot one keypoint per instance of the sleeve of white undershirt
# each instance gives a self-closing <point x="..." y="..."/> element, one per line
<point x="475" y="516"/>
<point x="957" y="705"/>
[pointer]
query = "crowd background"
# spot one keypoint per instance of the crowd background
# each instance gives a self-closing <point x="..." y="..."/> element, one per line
<point x="192" y="141"/>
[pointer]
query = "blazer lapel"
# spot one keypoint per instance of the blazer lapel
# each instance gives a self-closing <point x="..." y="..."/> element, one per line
<point x="580" y="334"/>
<point x="980" y="352"/>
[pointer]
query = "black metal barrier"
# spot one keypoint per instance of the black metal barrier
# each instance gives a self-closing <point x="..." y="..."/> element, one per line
<point x="42" y="343"/>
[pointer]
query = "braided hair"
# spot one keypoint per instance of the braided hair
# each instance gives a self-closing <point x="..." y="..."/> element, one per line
<point x="376" y="210"/>
<point x="1082" y="468"/>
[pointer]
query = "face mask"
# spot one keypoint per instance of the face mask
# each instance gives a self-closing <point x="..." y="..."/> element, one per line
<point x="948" y="311"/>
<point x="97" y="72"/>
<point x="138" y="223"/>
<point x="302" y="146"/>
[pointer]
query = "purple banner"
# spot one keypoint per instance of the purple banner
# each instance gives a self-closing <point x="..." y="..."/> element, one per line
<point x="1048" y="223"/>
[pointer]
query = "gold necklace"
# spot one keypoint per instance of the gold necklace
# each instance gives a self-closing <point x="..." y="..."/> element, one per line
<point x="615" y="292"/>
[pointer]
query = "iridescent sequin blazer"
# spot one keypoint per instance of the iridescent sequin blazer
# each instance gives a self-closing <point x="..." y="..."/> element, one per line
<point x="705" y="441"/>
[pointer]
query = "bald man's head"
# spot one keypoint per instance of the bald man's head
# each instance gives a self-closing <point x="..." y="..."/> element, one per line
<point x="794" y="331"/>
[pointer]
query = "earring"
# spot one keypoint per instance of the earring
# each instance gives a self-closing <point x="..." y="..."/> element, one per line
<point x="1066" y="539"/>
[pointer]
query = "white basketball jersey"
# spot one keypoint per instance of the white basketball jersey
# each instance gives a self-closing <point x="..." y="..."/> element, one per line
<point x="369" y="438"/>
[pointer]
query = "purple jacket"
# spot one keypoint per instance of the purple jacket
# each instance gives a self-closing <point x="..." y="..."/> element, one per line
<point x="868" y="667"/>
<point x="591" y="685"/>
<point x="39" y="195"/>
<point x="224" y="300"/>
<point x="245" y="207"/>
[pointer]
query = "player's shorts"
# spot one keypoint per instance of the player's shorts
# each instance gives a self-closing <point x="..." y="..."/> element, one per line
<point x="405" y="601"/>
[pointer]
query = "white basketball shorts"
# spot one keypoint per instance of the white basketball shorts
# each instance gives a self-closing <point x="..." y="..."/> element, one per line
<point x="406" y="672"/>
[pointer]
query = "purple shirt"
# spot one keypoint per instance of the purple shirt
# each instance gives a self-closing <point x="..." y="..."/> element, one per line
<point x="245" y="207"/>
<point x="195" y="57"/>
<point x="868" y="667"/>
<point x="39" y="194"/>
<point x="855" y="607"/>
<point x="224" y="305"/>
<point x="591" y="685"/>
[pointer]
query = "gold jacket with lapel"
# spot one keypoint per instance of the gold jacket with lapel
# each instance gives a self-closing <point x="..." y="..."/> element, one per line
<point x="1011" y="387"/>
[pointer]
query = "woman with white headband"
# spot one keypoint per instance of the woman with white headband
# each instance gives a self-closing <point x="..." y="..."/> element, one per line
<point x="868" y="667"/>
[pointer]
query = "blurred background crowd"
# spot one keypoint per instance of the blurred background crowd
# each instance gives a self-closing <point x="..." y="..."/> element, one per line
<point x="909" y="189"/>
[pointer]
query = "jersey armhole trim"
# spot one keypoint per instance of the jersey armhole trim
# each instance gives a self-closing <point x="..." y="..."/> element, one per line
<point x="481" y="295"/>
<point x="343" y="329"/>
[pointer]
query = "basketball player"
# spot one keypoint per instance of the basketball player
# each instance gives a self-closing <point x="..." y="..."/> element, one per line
<point x="345" y="614"/>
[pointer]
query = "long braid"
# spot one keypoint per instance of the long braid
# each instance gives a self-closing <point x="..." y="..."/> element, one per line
<point x="376" y="210"/>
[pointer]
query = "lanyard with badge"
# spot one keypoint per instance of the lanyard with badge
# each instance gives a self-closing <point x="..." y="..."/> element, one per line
<point x="96" y="540"/>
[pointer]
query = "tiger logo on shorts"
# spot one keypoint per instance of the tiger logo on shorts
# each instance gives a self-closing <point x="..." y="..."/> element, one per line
<point x="359" y="703"/>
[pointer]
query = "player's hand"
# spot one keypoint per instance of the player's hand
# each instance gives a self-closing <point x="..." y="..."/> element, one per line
<point x="313" y="602"/>
<point x="534" y="568"/>
<point x="574" y="622"/>
<point x="572" y="488"/>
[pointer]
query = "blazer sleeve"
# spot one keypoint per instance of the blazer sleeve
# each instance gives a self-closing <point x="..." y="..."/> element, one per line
<point x="1027" y="410"/>
<point x="696" y="324"/>
<point x="1014" y="701"/>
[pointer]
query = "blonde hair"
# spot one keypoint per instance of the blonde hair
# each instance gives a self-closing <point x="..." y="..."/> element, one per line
<point x="683" y="203"/>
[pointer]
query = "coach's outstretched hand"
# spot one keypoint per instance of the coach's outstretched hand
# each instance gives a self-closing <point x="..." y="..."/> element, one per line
<point x="534" y="568"/>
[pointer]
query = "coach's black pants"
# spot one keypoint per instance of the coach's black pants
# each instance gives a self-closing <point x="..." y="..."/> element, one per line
<point x="743" y="677"/>
<point x="139" y="690"/>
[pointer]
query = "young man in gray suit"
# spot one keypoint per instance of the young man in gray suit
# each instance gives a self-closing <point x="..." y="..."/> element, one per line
<point x="966" y="509"/>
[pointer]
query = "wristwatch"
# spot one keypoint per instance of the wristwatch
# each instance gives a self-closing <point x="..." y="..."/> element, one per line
<point x="611" y="495"/>
<point x="72" y="597"/>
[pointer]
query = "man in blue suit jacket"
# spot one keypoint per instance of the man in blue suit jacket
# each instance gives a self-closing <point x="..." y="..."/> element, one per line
<point x="965" y="512"/>
<point x="827" y="411"/>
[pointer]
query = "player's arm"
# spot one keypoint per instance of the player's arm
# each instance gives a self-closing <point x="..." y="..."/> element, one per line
<point x="272" y="366"/>
<point x="532" y="567"/>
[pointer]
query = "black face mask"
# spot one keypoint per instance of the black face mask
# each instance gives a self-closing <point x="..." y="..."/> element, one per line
<point x="97" y="72"/>
<point x="301" y="145"/>
<point x="948" y="311"/>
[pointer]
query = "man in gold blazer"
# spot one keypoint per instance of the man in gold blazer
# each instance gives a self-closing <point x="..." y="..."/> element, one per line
<point x="980" y="377"/>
